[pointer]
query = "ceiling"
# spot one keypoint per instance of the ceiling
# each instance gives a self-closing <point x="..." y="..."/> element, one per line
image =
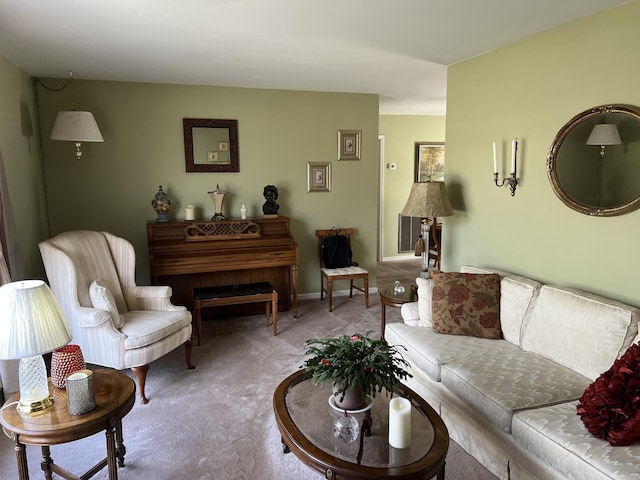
<point x="399" y="49"/>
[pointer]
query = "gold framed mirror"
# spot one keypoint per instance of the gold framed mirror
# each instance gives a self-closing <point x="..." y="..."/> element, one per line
<point x="594" y="161"/>
<point x="211" y="145"/>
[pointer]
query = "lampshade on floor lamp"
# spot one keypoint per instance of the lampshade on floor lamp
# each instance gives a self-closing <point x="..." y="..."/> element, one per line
<point x="427" y="200"/>
<point x="31" y="324"/>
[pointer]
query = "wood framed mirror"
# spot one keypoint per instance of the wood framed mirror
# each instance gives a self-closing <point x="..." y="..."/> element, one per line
<point x="598" y="175"/>
<point x="211" y="145"/>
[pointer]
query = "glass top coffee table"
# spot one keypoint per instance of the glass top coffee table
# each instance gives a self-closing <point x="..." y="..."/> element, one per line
<point x="305" y="419"/>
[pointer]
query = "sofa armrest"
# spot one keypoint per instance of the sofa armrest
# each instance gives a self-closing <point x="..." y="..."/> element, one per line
<point x="410" y="315"/>
<point x="91" y="317"/>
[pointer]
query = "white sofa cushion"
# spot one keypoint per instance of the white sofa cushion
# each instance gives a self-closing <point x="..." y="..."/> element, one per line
<point x="102" y="299"/>
<point x="429" y="350"/>
<point x="517" y="296"/>
<point x="498" y="385"/>
<point x="144" y="328"/>
<point x="583" y="332"/>
<point x="558" y="436"/>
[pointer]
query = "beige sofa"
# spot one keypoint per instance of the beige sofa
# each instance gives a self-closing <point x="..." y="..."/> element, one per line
<point x="511" y="403"/>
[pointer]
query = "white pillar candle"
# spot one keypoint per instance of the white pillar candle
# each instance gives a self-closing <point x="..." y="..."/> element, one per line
<point x="495" y="160"/>
<point x="188" y="212"/>
<point x="513" y="155"/>
<point x="399" y="422"/>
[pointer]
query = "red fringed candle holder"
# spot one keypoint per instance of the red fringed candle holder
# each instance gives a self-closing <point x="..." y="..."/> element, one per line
<point x="65" y="361"/>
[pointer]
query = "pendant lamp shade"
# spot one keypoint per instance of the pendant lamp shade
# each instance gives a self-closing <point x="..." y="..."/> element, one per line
<point x="76" y="126"/>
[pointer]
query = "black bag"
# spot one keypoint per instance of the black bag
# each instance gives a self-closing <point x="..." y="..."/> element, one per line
<point x="336" y="252"/>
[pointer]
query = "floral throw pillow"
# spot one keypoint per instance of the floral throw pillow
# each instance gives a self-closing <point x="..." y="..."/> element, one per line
<point x="610" y="406"/>
<point x="466" y="304"/>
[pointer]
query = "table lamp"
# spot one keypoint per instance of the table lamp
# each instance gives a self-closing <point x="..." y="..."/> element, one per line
<point x="31" y="324"/>
<point x="428" y="200"/>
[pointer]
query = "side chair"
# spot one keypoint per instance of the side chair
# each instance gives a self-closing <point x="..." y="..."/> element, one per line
<point x="329" y="275"/>
<point x="116" y="323"/>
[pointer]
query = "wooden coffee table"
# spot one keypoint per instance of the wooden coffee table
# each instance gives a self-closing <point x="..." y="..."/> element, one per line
<point x="114" y="396"/>
<point x="305" y="420"/>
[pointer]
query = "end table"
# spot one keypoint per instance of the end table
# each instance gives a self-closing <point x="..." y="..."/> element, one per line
<point x="114" y="396"/>
<point x="389" y="298"/>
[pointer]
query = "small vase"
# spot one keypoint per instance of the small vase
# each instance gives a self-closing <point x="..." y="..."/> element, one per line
<point x="65" y="361"/>
<point x="353" y="398"/>
<point x="161" y="204"/>
<point x="217" y="197"/>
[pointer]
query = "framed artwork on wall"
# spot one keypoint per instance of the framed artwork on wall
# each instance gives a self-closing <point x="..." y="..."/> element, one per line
<point x="318" y="177"/>
<point x="349" y="144"/>
<point x="429" y="162"/>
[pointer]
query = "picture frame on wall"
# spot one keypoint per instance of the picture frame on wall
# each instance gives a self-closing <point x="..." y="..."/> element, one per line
<point x="429" y="161"/>
<point x="349" y="144"/>
<point x="318" y="176"/>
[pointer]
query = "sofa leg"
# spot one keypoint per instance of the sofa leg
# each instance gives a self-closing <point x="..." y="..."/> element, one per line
<point x="188" y="348"/>
<point x="141" y="375"/>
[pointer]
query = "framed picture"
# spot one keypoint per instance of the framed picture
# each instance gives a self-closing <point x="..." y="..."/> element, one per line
<point x="429" y="162"/>
<point x="213" y="157"/>
<point x="349" y="144"/>
<point x="223" y="146"/>
<point x="319" y="177"/>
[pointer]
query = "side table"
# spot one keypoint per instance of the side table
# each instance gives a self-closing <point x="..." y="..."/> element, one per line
<point x="389" y="298"/>
<point x="114" y="396"/>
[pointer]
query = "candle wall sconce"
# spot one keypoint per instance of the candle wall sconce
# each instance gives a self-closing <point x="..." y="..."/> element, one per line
<point x="512" y="179"/>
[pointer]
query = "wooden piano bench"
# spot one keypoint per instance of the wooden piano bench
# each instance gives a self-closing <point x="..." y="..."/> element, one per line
<point x="204" y="297"/>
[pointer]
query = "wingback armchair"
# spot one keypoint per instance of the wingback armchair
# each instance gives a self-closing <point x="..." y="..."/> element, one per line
<point x="116" y="323"/>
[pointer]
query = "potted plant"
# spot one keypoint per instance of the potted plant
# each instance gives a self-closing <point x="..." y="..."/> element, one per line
<point x="355" y="365"/>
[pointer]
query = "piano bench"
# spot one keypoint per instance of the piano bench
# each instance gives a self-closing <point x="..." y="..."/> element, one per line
<point x="204" y="297"/>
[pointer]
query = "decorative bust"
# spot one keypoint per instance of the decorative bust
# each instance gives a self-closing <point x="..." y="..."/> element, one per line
<point x="270" y="207"/>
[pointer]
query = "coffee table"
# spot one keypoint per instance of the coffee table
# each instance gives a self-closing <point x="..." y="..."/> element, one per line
<point x="305" y="420"/>
<point x="114" y="397"/>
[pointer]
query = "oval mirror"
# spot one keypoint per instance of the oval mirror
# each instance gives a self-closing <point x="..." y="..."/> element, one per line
<point x="594" y="161"/>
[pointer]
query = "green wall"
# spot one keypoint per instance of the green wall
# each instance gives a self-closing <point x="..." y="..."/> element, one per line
<point x="112" y="186"/>
<point x="401" y="132"/>
<point x="529" y="90"/>
<point x="20" y="147"/>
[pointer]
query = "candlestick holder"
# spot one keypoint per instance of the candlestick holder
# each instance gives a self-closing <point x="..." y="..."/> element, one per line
<point x="511" y="180"/>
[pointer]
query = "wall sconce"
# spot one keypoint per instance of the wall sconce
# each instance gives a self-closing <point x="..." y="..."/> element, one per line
<point x="512" y="179"/>
<point x="604" y="134"/>
<point x="74" y="126"/>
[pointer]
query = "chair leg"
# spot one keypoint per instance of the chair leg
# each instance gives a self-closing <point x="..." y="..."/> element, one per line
<point x="141" y="375"/>
<point x="351" y="288"/>
<point x="188" y="348"/>
<point x="330" y="293"/>
<point x="366" y="292"/>
<point x="322" y="287"/>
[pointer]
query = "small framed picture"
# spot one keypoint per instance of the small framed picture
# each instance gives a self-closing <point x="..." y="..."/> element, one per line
<point x="212" y="157"/>
<point x="349" y="144"/>
<point x="223" y="146"/>
<point x="429" y="162"/>
<point x="319" y="177"/>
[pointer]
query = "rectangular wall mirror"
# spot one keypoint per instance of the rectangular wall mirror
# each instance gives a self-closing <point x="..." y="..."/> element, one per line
<point x="211" y="145"/>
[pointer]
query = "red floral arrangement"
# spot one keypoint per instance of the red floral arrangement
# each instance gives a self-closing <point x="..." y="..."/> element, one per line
<point x="610" y="406"/>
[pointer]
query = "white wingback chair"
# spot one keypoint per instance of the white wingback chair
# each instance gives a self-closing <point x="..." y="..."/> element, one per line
<point x="116" y="323"/>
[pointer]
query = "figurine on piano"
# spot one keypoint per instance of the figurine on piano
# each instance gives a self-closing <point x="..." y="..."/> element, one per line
<point x="270" y="207"/>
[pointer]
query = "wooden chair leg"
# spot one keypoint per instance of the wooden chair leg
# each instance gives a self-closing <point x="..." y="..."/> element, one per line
<point x="322" y="287"/>
<point x="351" y="288"/>
<point x="330" y="293"/>
<point x="188" y="348"/>
<point x="366" y="292"/>
<point x="141" y="376"/>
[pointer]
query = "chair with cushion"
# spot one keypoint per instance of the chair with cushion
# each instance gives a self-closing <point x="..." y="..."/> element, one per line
<point x="351" y="273"/>
<point x="116" y="323"/>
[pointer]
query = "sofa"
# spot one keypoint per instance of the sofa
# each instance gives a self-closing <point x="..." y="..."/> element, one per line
<point x="512" y="402"/>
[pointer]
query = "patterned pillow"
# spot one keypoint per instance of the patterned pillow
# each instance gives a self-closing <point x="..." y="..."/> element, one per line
<point x="610" y="406"/>
<point x="466" y="304"/>
<point x="102" y="299"/>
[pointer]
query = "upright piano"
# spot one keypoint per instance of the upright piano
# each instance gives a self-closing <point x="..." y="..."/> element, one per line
<point x="190" y="254"/>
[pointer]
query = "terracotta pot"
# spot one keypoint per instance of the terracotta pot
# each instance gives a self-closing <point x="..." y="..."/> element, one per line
<point x="353" y="398"/>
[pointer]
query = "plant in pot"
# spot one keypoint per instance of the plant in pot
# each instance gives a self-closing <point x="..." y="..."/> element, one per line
<point x="356" y="366"/>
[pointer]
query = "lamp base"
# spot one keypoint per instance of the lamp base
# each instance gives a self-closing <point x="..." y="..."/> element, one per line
<point x="34" y="386"/>
<point x="30" y="407"/>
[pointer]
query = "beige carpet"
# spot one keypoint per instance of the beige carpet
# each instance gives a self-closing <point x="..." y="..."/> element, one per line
<point x="216" y="422"/>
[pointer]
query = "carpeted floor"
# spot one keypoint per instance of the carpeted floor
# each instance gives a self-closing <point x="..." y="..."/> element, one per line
<point x="216" y="422"/>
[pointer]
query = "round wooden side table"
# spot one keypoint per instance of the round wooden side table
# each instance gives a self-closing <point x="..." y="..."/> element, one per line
<point x="389" y="298"/>
<point x="114" y="397"/>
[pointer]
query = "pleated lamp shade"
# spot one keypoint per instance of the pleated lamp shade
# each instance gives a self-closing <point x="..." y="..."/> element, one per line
<point x="428" y="200"/>
<point x="604" y="134"/>
<point x="76" y="126"/>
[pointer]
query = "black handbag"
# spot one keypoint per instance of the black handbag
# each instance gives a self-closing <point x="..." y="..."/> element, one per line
<point x="336" y="252"/>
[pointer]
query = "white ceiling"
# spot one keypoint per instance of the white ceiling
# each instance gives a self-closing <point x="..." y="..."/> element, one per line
<point x="398" y="49"/>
